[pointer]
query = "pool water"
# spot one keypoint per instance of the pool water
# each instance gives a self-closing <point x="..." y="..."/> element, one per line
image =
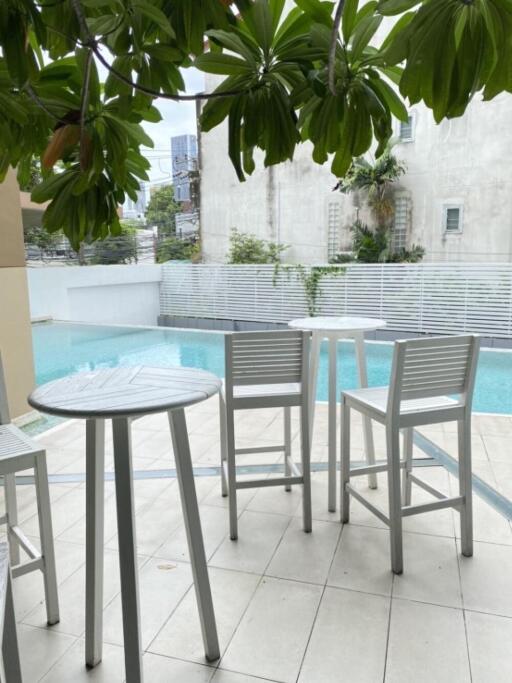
<point x="63" y="348"/>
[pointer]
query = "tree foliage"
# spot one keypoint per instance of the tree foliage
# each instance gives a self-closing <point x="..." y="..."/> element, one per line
<point x="162" y="209"/>
<point x="287" y="78"/>
<point x="176" y="249"/>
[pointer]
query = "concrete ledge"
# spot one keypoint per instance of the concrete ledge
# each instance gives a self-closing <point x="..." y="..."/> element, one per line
<point x="247" y="326"/>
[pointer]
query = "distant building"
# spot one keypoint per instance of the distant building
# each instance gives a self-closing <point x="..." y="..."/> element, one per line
<point x="135" y="210"/>
<point x="184" y="162"/>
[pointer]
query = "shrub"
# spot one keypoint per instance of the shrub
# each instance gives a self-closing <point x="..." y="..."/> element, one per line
<point x="175" y="249"/>
<point x="247" y="248"/>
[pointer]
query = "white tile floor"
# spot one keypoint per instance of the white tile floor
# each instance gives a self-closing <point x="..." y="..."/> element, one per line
<point x="314" y="608"/>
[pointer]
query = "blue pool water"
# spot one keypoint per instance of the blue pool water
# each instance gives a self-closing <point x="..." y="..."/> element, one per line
<point x="63" y="348"/>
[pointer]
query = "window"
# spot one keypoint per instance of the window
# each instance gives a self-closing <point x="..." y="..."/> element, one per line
<point x="406" y="131"/>
<point x="401" y="223"/>
<point x="333" y="221"/>
<point x="452" y="219"/>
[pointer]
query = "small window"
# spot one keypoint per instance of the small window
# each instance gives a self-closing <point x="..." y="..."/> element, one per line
<point x="406" y="132"/>
<point x="452" y="222"/>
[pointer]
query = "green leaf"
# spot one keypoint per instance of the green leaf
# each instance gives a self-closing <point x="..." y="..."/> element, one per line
<point x="392" y="7"/>
<point x="156" y="15"/>
<point x="390" y="97"/>
<point x="349" y="18"/>
<point x="363" y="33"/>
<point x="223" y="64"/>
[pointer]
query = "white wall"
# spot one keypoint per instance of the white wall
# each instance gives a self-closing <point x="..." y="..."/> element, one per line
<point x="96" y="294"/>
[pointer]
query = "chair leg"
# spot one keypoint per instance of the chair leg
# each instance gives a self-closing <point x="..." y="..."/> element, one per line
<point x="10" y="652"/>
<point x="406" y="478"/>
<point x="287" y="445"/>
<point x="223" y="445"/>
<point x="306" y="467"/>
<point x="465" y="486"/>
<point x="345" y="462"/>
<point x="46" y="534"/>
<point x="395" y="503"/>
<point x="230" y="442"/>
<point x="11" y="508"/>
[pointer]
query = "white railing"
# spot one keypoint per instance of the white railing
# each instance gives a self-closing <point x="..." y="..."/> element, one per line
<point x="428" y="297"/>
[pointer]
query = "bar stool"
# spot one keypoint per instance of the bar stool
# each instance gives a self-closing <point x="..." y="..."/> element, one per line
<point x="425" y="376"/>
<point x="10" y="669"/>
<point x="18" y="453"/>
<point x="266" y="370"/>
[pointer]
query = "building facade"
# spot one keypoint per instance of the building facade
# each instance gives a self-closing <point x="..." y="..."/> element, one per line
<point x="455" y="199"/>
<point x="184" y="162"/>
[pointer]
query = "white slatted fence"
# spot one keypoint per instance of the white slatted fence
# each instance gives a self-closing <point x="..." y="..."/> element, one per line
<point x="425" y="298"/>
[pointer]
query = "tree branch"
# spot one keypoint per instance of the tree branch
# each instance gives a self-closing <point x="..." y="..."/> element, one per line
<point x="90" y="41"/>
<point x="35" y="98"/>
<point x="332" y="49"/>
<point x="84" y="105"/>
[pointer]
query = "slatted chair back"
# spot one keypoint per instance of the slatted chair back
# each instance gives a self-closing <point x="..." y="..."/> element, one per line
<point x="434" y="366"/>
<point x="273" y="357"/>
<point x="4" y="406"/>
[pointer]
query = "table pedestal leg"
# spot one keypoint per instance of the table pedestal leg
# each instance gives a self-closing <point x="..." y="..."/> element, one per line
<point x="186" y="483"/>
<point x="94" y="506"/>
<point x="316" y="342"/>
<point x="332" y="424"/>
<point x="367" y="423"/>
<point x="127" y="549"/>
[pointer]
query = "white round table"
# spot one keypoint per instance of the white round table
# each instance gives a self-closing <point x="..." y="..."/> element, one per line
<point x="121" y="394"/>
<point x="334" y="329"/>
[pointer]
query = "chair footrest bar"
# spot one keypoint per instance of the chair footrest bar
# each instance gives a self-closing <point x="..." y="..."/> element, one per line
<point x="259" y="449"/>
<point x="370" y="469"/>
<point x="24" y="543"/>
<point x="426" y="487"/>
<point x="27" y="567"/>
<point x="278" y="481"/>
<point x="436" y="505"/>
<point x="375" y="510"/>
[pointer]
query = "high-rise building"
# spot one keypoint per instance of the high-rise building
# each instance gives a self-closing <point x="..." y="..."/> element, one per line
<point x="184" y="161"/>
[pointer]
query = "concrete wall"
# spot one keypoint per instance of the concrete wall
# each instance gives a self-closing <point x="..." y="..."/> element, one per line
<point x="15" y="332"/>
<point x="463" y="161"/>
<point x="97" y="294"/>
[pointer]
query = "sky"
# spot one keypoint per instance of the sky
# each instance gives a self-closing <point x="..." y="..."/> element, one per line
<point x="179" y="118"/>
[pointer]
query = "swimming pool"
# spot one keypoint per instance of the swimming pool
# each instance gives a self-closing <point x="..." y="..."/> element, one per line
<point x="63" y="348"/>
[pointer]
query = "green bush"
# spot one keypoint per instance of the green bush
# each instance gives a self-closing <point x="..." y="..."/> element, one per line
<point x="175" y="249"/>
<point x="247" y="248"/>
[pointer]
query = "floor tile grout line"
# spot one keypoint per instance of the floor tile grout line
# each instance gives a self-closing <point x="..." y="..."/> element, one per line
<point x="319" y="604"/>
<point x="466" y="636"/>
<point x="58" y="660"/>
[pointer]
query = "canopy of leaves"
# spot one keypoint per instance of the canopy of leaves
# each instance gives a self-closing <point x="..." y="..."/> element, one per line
<point x="280" y="85"/>
<point x="162" y="209"/>
<point x="176" y="249"/>
<point x="247" y="248"/>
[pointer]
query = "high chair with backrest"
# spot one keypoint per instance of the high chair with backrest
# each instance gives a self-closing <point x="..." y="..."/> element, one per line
<point x="266" y="370"/>
<point x="18" y="453"/>
<point x="432" y="381"/>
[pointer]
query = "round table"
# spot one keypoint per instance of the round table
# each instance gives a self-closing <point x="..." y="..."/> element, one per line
<point x="334" y="329"/>
<point x="121" y="394"/>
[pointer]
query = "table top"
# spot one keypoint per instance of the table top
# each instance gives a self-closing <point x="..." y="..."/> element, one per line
<point x="343" y="325"/>
<point x="124" y="392"/>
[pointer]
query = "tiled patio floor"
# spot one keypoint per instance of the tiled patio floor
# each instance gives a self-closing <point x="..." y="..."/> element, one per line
<point x="316" y="608"/>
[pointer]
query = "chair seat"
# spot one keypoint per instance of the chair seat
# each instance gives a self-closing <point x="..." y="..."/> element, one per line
<point x="14" y="443"/>
<point x="377" y="399"/>
<point x="262" y="390"/>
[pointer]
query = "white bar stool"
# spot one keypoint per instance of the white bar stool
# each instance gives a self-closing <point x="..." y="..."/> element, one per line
<point x="425" y="375"/>
<point x="18" y="453"/>
<point x="266" y="370"/>
<point x="10" y="668"/>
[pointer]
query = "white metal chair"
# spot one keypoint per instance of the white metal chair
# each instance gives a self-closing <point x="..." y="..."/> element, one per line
<point x="10" y="669"/>
<point x="266" y="370"/>
<point x="18" y="453"/>
<point x="432" y="381"/>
